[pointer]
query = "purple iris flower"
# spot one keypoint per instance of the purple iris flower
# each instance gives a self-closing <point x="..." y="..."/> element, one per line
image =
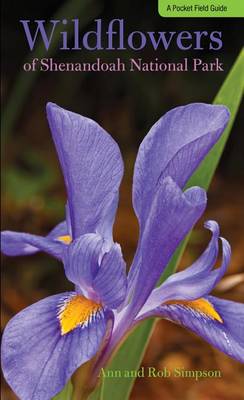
<point x="44" y="344"/>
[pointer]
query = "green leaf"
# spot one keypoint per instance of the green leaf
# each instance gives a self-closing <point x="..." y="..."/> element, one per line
<point x="131" y="352"/>
<point x="66" y="393"/>
<point x="98" y="393"/>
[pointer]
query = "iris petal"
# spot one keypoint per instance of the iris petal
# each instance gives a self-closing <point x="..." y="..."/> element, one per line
<point x="174" y="147"/>
<point x="197" y="280"/>
<point x="110" y="282"/>
<point x="82" y="259"/>
<point x="97" y="268"/>
<point x="92" y="169"/>
<point x="62" y="229"/>
<point x="173" y="214"/>
<point x="37" y="359"/>
<point x="226" y="333"/>
<point x="21" y="244"/>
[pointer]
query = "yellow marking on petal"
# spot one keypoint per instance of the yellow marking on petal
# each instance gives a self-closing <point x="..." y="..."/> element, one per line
<point x="75" y="311"/>
<point x="67" y="239"/>
<point x="200" y="305"/>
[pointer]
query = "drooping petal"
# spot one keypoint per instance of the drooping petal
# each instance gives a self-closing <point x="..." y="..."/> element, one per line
<point x="195" y="281"/>
<point x="20" y="244"/>
<point x="174" y="147"/>
<point x="172" y="215"/>
<point x="92" y="168"/>
<point x="45" y="343"/>
<point x="82" y="259"/>
<point x="110" y="282"/>
<point x="219" y="322"/>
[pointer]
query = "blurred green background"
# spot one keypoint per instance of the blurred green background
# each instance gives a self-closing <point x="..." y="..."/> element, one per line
<point x="126" y="105"/>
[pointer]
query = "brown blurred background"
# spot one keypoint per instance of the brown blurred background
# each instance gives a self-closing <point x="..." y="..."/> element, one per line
<point x="126" y="105"/>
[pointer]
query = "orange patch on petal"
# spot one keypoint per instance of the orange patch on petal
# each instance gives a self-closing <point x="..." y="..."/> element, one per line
<point x="201" y="305"/>
<point x="65" y="239"/>
<point x="76" y="311"/>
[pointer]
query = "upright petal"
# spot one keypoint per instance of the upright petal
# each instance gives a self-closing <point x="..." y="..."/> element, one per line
<point x="219" y="322"/>
<point x="82" y="260"/>
<point x="45" y="343"/>
<point x="172" y="215"/>
<point x="98" y="270"/>
<point x="92" y="169"/>
<point x="110" y="282"/>
<point x="174" y="147"/>
<point x="196" y="281"/>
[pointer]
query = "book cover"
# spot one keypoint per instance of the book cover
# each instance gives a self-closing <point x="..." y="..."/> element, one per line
<point x="122" y="200"/>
